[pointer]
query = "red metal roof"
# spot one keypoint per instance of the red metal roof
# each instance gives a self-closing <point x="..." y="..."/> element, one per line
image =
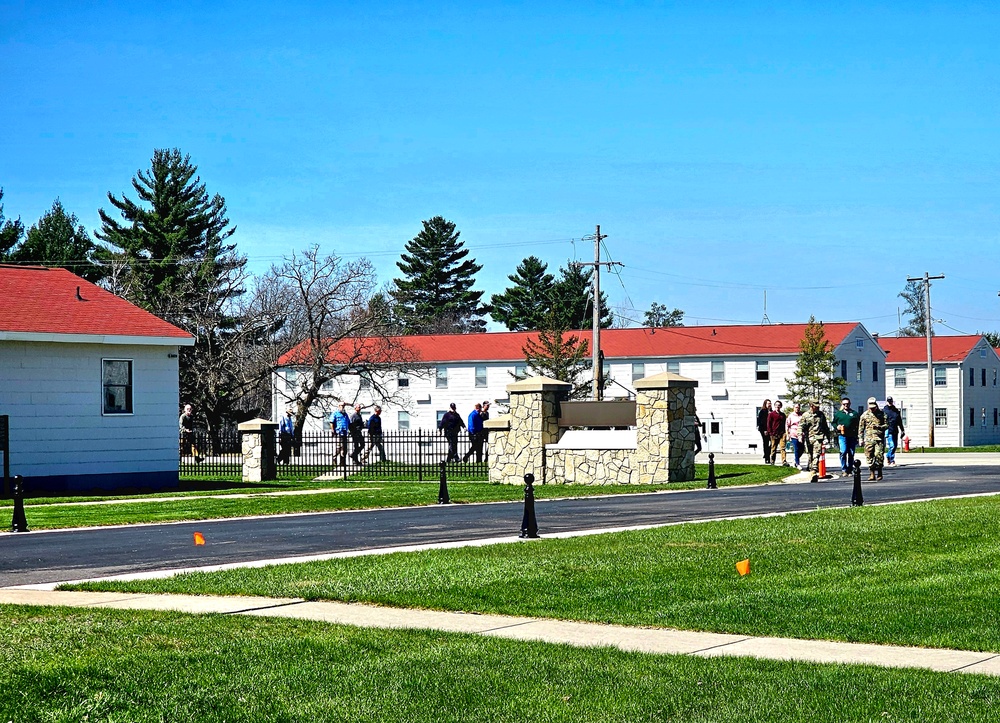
<point x="771" y="339"/>
<point x="912" y="349"/>
<point x="39" y="300"/>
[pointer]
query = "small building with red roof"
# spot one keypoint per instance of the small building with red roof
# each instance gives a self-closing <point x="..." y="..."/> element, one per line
<point x="737" y="367"/>
<point x="89" y="383"/>
<point x="966" y="389"/>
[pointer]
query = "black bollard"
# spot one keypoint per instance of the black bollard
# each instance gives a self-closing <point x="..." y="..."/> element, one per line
<point x="443" y="498"/>
<point x="712" y="484"/>
<point x="857" y="499"/>
<point x="20" y="522"/>
<point x="529" y="528"/>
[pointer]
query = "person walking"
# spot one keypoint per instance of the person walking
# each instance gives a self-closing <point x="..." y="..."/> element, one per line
<point x="794" y="433"/>
<point x="356" y="428"/>
<point x="815" y="431"/>
<point x="451" y="422"/>
<point x="893" y="428"/>
<point x="765" y="438"/>
<point x="845" y="421"/>
<point x="871" y="432"/>
<point x="185" y="425"/>
<point x="286" y="437"/>
<point x="340" y="424"/>
<point x="776" y="421"/>
<point x="375" y="435"/>
<point x="475" y="434"/>
<point x="484" y="415"/>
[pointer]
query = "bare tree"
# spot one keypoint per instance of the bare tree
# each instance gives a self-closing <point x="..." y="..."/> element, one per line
<point x="322" y="321"/>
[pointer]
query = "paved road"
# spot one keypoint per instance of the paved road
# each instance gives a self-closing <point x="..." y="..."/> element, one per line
<point x="45" y="557"/>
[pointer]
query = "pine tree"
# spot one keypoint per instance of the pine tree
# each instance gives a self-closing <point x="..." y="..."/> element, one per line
<point x="557" y="354"/>
<point x="660" y="316"/>
<point x="436" y="295"/>
<point x="815" y="370"/>
<point x="58" y="239"/>
<point x="916" y="310"/>
<point x="523" y="306"/>
<point x="572" y="299"/>
<point x="10" y="234"/>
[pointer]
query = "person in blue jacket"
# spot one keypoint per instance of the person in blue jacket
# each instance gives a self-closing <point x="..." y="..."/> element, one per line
<point x="475" y="434"/>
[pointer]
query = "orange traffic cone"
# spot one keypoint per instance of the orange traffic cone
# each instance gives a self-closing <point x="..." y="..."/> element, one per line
<point x="822" y="461"/>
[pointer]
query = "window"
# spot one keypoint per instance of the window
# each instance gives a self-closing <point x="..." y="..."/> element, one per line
<point x="972" y="377"/>
<point x="940" y="377"/>
<point x="403" y="380"/>
<point x="521" y="371"/>
<point x="291" y="380"/>
<point x="763" y="371"/>
<point x="440" y="414"/>
<point x="899" y="377"/>
<point x="857" y="373"/>
<point x="442" y="378"/>
<point x="403" y="420"/>
<point x="674" y="367"/>
<point x="940" y="417"/>
<point x="480" y="376"/>
<point x="365" y="380"/>
<point x="859" y="342"/>
<point x="972" y="416"/>
<point x="605" y="371"/>
<point x="983" y="416"/>
<point x="996" y="418"/>
<point x="117" y="377"/>
<point x="718" y="372"/>
<point x="874" y="371"/>
<point x="843" y="369"/>
<point x="638" y="371"/>
<point x="982" y="353"/>
<point x="983" y="378"/>
<point x="903" y="416"/>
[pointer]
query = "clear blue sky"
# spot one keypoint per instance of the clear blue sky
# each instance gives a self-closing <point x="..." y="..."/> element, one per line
<point x="822" y="155"/>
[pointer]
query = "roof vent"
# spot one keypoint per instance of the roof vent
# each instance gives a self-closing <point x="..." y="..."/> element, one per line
<point x="78" y="297"/>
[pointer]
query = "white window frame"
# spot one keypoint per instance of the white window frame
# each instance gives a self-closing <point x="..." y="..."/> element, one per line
<point x="718" y="372"/>
<point x="762" y="371"/>
<point x="441" y="378"/>
<point x="674" y="367"/>
<point x="940" y="416"/>
<point x="403" y="380"/>
<point x="859" y="372"/>
<point x="402" y="420"/>
<point x="521" y="371"/>
<point x="899" y="377"/>
<point x="129" y="389"/>
<point x="859" y="342"/>
<point x="482" y="380"/>
<point x="638" y="371"/>
<point x="940" y="377"/>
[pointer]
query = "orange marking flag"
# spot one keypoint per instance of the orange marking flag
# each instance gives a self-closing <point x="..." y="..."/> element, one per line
<point x="199" y="539"/>
<point x="743" y="567"/>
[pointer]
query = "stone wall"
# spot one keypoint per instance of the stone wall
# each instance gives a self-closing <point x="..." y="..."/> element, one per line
<point x="258" y="450"/>
<point x="517" y="440"/>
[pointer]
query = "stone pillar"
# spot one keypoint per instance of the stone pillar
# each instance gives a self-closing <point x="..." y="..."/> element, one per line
<point x="665" y="428"/>
<point x="518" y="439"/>
<point x="258" y="450"/>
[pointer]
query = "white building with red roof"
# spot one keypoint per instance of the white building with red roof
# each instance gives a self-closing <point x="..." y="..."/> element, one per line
<point x="966" y="389"/>
<point x="89" y="383"/>
<point x="737" y="368"/>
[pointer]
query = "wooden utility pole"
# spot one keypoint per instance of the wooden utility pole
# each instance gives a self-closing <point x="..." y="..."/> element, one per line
<point x="928" y="332"/>
<point x="596" y="391"/>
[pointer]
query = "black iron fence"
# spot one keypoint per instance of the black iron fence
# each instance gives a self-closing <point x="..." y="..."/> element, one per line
<point x="401" y="455"/>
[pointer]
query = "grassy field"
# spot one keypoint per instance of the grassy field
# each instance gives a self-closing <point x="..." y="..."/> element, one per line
<point x="920" y="574"/>
<point x="198" y="501"/>
<point x="101" y="665"/>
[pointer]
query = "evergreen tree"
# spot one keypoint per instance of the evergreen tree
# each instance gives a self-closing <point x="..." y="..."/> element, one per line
<point x="557" y="354"/>
<point x="815" y="369"/>
<point x="992" y="338"/>
<point x="660" y="316"/>
<point x="915" y="311"/>
<point x="572" y="299"/>
<point x="10" y="234"/>
<point x="58" y="239"/>
<point x="523" y="306"/>
<point x="169" y="255"/>
<point x="436" y="295"/>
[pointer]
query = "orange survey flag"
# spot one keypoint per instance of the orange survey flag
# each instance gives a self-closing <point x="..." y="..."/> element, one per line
<point x="199" y="539"/>
<point x="743" y="567"/>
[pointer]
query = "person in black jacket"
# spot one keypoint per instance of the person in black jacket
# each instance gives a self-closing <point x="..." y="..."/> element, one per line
<point x="451" y="423"/>
<point x="355" y="427"/>
<point x="765" y="438"/>
<point x="894" y="426"/>
<point x="375" y="434"/>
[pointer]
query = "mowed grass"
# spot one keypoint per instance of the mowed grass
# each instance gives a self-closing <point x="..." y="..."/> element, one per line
<point x="137" y="666"/>
<point x="922" y="574"/>
<point x="201" y="503"/>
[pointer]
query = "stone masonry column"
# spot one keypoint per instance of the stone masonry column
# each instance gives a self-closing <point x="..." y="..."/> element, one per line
<point x="518" y="439"/>
<point x="665" y="428"/>
<point x="258" y="450"/>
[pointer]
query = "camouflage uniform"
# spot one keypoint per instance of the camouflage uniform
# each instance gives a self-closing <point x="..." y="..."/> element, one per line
<point x="871" y="433"/>
<point x="815" y="432"/>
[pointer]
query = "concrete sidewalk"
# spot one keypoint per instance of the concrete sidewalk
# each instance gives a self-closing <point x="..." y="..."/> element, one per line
<point x="646" y="640"/>
<point x="903" y="459"/>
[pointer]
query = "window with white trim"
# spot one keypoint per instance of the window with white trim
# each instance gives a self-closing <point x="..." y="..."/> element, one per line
<point x="941" y="377"/>
<point x="859" y="342"/>
<point x="857" y="373"/>
<point x="898" y="377"/>
<point x="117" y="382"/>
<point x="521" y="371"/>
<point x="940" y="417"/>
<point x="638" y="371"/>
<point x="762" y="371"/>
<point x="718" y="372"/>
<point x="403" y="420"/>
<point x="403" y="380"/>
<point x="441" y="378"/>
<point x="674" y="367"/>
<point x="481" y="376"/>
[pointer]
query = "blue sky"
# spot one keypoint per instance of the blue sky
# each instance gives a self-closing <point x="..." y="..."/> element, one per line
<point x="818" y="155"/>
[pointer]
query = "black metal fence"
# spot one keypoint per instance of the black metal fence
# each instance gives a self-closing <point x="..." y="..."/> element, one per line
<point x="412" y="455"/>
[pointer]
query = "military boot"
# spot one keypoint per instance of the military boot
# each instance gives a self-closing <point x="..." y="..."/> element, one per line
<point x="878" y="472"/>
<point x="871" y="474"/>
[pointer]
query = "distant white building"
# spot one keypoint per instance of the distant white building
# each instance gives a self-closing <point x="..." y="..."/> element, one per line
<point x="737" y="367"/>
<point x="966" y="392"/>
<point x="89" y="382"/>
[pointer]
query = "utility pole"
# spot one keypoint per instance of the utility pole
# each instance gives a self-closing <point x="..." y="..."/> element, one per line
<point x="596" y="391"/>
<point x="928" y="322"/>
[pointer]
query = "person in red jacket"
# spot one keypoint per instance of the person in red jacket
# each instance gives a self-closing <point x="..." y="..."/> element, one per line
<point x="776" y="431"/>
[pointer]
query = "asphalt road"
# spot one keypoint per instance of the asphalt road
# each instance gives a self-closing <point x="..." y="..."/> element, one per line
<point x="62" y="555"/>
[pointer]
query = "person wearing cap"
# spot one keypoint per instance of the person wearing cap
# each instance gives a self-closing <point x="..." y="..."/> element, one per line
<point x="475" y="434"/>
<point x="894" y="426"/>
<point x="483" y="416"/>
<point x="871" y="432"/>
<point x="286" y="435"/>
<point x="451" y="422"/>
<point x="845" y="421"/>
<point x="374" y="426"/>
<point x="815" y="432"/>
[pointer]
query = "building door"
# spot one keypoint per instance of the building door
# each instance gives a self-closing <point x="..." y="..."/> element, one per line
<point x="714" y="436"/>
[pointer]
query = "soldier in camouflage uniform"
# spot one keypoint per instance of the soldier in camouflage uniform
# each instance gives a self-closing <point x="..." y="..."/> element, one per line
<point x="871" y="433"/>
<point x="815" y="433"/>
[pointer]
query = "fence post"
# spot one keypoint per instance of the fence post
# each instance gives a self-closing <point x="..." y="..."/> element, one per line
<point x="420" y="455"/>
<point x="258" y="450"/>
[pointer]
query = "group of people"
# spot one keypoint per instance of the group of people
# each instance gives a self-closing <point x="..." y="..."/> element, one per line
<point x="344" y="425"/>
<point x="451" y="424"/>
<point x="877" y="430"/>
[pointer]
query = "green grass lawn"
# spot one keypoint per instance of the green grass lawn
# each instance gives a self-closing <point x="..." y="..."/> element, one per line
<point x="921" y="574"/>
<point x="137" y="666"/>
<point x="194" y="501"/>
